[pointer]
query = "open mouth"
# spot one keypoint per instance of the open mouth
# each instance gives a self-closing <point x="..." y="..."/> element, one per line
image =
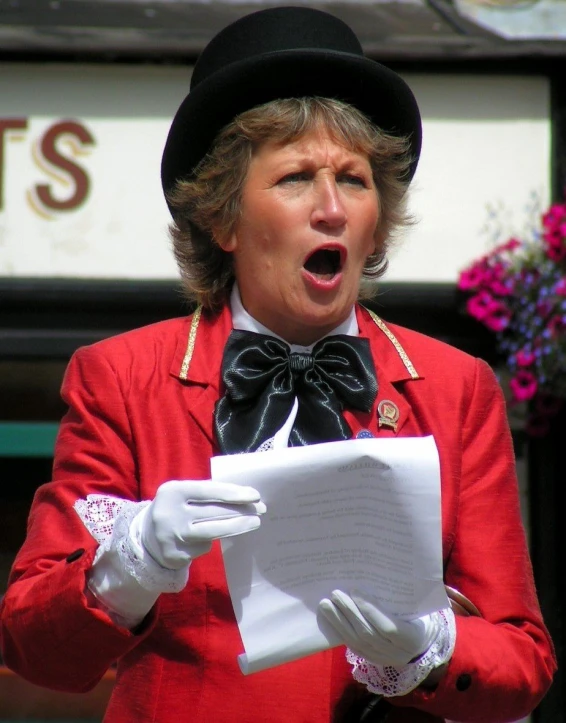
<point x="324" y="263"/>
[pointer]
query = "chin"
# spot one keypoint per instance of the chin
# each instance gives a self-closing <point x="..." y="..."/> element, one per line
<point x="328" y="309"/>
<point x="309" y="327"/>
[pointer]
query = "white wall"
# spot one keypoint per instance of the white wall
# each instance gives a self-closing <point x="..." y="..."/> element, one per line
<point x="486" y="141"/>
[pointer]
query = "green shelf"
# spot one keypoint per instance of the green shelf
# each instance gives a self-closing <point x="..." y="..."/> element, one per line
<point x="27" y="439"/>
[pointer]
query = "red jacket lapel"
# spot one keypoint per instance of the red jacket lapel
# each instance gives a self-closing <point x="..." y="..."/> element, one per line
<point x="390" y="411"/>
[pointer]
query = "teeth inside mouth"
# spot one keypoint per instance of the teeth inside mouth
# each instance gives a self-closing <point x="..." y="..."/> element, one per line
<point x="324" y="263"/>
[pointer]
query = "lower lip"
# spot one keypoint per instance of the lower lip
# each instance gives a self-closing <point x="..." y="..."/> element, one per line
<point x="320" y="284"/>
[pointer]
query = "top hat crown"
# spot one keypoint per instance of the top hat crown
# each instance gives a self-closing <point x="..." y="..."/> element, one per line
<point x="283" y="52"/>
<point x="275" y="30"/>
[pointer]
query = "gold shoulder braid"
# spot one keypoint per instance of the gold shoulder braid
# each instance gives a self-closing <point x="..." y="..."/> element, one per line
<point x="190" y="343"/>
<point x="393" y="339"/>
<point x="375" y="318"/>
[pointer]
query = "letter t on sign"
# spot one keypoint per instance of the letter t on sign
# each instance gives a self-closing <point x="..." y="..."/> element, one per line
<point x="7" y="124"/>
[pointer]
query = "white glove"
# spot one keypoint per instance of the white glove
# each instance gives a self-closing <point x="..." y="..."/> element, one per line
<point x="380" y="639"/>
<point x="187" y="515"/>
<point x="151" y="545"/>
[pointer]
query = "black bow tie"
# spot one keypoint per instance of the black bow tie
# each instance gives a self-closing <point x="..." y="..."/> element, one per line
<point x="262" y="378"/>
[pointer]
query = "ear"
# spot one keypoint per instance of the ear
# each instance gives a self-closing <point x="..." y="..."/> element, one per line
<point x="378" y="243"/>
<point x="227" y="242"/>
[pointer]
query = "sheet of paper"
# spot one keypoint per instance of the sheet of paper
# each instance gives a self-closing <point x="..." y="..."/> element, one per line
<point x="362" y="514"/>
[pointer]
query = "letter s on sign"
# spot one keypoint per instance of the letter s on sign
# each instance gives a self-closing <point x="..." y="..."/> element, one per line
<point x="53" y="157"/>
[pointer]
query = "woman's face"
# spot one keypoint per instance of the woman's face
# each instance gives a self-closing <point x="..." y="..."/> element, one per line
<point x="308" y="222"/>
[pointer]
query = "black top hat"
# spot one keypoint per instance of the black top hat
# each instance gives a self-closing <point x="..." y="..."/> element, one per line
<point x="283" y="52"/>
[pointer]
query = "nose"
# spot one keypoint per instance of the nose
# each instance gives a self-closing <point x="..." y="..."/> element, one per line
<point x="328" y="207"/>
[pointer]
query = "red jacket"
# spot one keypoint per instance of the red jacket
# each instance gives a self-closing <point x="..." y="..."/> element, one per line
<point x="140" y="413"/>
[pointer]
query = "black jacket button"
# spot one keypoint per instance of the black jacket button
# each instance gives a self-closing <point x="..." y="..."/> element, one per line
<point x="76" y="554"/>
<point x="463" y="682"/>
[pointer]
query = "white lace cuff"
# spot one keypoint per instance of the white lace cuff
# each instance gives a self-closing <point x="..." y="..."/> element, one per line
<point x="108" y="519"/>
<point x="98" y="513"/>
<point x="391" y="681"/>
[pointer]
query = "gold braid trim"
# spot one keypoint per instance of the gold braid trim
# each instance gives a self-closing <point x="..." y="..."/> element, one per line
<point x="191" y="343"/>
<point x="375" y="318"/>
<point x="393" y="339"/>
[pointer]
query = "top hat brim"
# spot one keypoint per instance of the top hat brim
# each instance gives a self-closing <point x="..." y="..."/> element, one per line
<point x="375" y="90"/>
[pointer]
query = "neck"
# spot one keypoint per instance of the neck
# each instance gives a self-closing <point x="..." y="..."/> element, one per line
<point x="241" y="319"/>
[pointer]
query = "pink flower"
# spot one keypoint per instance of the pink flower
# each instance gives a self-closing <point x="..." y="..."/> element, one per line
<point x="554" y="216"/>
<point x="495" y="279"/>
<point x="523" y="385"/>
<point x="510" y="245"/>
<point x="556" y="253"/>
<point x="560" y="287"/>
<point x="497" y="316"/>
<point x="501" y="289"/>
<point x="497" y="271"/>
<point x="554" y="238"/>
<point x="524" y="357"/>
<point x="478" y="306"/>
<point x="471" y="278"/>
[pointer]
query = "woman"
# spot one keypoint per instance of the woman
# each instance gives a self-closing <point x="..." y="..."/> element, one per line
<point x="286" y="171"/>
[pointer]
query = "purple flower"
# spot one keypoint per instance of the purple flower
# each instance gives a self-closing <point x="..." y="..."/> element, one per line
<point x="518" y="291"/>
<point x="529" y="276"/>
<point x="523" y="385"/>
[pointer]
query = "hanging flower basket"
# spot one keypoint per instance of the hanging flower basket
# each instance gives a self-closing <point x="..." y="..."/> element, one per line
<point x="518" y="291"/>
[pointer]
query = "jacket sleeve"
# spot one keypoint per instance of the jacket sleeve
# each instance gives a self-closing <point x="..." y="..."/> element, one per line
<point x="50" y="635"/>
<point x="504" y="661"/>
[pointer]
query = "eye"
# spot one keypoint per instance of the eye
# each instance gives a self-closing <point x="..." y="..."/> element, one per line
<point x="295" y="177"/>
<point x="353" y="179"/>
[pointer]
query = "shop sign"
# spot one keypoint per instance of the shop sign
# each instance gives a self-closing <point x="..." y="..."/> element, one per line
<point x="80" y="153"/>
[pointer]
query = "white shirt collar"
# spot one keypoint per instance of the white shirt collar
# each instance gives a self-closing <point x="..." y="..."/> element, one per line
<point x="244" y="321"/>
